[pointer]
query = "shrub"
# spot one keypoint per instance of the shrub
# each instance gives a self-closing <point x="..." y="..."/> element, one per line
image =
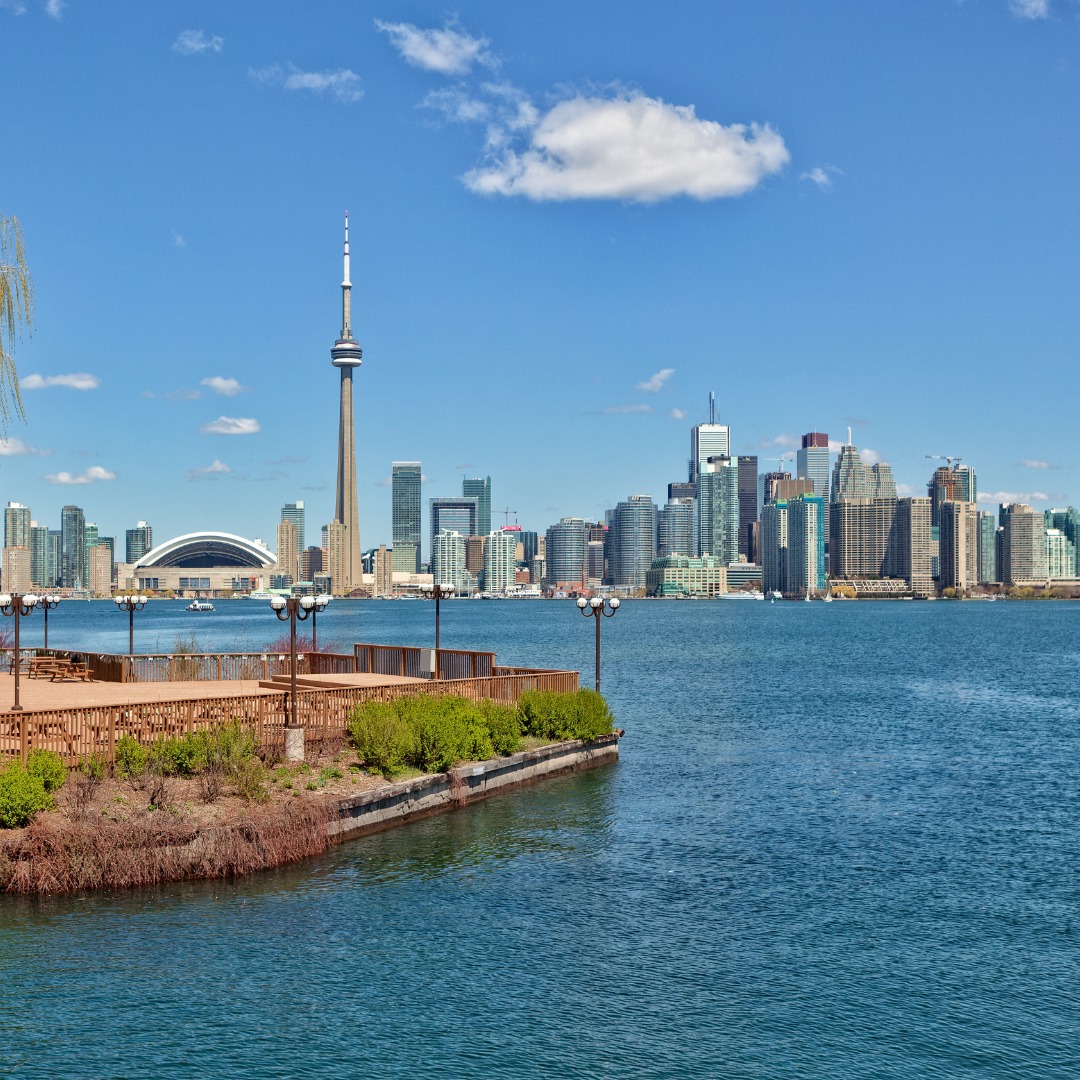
<point x="131" y="758"/>
<point x="592" y="716"/>
<point x="22" y="795"/>
<point x="382" y="738"/>
<point x="448" y="730"/>
<point x="250" y="780"/>
<point x="504" y="725"/>
<point x="48" y="767"/>
<point x="582" y="715"/>
<point x="177" y="757"/>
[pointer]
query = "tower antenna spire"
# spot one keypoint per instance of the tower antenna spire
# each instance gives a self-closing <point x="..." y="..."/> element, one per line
<point x="712" y="407"/>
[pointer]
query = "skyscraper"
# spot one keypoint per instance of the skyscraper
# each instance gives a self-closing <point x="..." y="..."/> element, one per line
<point x="405" y="481"/>
<point x="452" y="514"/>
<point x="294" y="512"/>
<point x="565" y="552"/>
<point x="479" y="488"/>
<point x="718" y="509"/>
<point x="774" y="547"/>
<point x="448" y="561"/>
<point x="346" y="354"/>
<point x="140" y="540"/>
<point x="41" y="570"/>
<point x="675" y="528"/>
<point x="499" y="562"/>
<point x="806" y="545"/>
<point x="16" y="525"/>
<point x="812" y="461"/>
<point x="708" y="440"/>
<point x="1024" y="546"/>
<point x="72" y="547"/>
<point x="748" y="509"/>
<point x="634" y="547"/>
<point x="988" y="566"/>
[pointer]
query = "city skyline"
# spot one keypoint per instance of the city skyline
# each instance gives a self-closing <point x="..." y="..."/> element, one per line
<point x="896" y="276"/>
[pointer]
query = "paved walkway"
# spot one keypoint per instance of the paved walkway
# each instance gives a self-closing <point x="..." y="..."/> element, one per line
<point x="43" y="694"/>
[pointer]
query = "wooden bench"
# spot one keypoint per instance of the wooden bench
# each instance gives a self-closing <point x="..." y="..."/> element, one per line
<point x="42" y="666"/>
<point x="71" y="669"/>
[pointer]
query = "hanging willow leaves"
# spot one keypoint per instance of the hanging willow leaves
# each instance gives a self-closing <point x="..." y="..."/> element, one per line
<point x="16" y="314"/>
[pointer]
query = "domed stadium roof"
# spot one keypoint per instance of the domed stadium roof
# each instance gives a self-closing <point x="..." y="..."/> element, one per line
<point x="198" y="551"/>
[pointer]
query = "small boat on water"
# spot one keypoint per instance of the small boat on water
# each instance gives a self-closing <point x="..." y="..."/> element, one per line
<point x="742" y="596"/>
<point x="200" y="605"/>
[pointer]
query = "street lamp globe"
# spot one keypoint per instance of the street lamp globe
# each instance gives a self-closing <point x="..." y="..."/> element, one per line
<point x="582" y="603"/>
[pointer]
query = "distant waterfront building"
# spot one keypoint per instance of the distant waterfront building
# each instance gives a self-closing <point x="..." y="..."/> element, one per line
<point x="784" y="488"/>
<point x="958" y="545"/>
<point x="383" y="571"/>
<point x="812" y="462"/>
<point x="139" y="541"/>
<point x="912" y="547"/>
<point x="988" y="565"/>
<point x="596" y="561"/>
<point x="294" y="512"/>
<point x="530" y="542"/>
<point x="288" y="551"/>
<point x="805" y="545"/>
<point x="337" y="555"/>
<point x="565" y="559"/>
<point x="675" y="528"/>
<point x="748" y="503"/>
<point x="15" y="570"/>
<point x="405" y="481"/>
<point x="479" y="488"/>
<point x="41" y="576"/>
<point x="680" y="490"/>
<point x="718" y="509"/>
<point x="1024" y="546"/>
<point x="774" y="547"/>
<point x="861" y="529"/>
<point x="634" y="540"/>
<point x="740" y="575"/>
<point x="16" y="525"/>
<point x="72" y="547"/>
<point x="99" y="569"/>
<point x="450" y="514"/>
<point x="686" y="576"/>
<point x="474" y="556"/>
<point x="208" y="563"/>
<point x="448" y="562"/>
<point x="1067" y="520"/>
<point x="499" y="561"/>
<point x="1060" y="556"/>
<point x="55" y="557"/>
<point x="851" y="479"/>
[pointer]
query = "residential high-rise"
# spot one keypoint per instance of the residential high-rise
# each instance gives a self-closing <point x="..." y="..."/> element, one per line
<point x="1024" y="546"/>
<point x="56" y="560"/>
<point x="634" y="540"/>
<point x="72" y="547"/>
<point x="680" y="490"/>
<point x="805" y="545"/>
<point x="99" y="569"/>
<point x="1060" y="556"/>
<point x="718" y="509"/>
<point x="748" y="507"/>
<point x="860" y="532"/>
<point x="15" y="570"/>
<point x="812" y="462"/>
<point x="911" y="549"/>
<point x="774" y="547"/>
<point x="675" y="528"/>
<point x="565" y="552"/>
<point x="958" y="545"/>
<point x="346" y="355"/>
<point x="988" y="566"/>
<point x="405" y="483"/>
<point x="41" y="574"/>
<point x="383" y="571"/>
<point x="448" y="561"/>
<point x="1067" y="520"/>
<point x="851" y="478"/>
<point x="499" y="562"/>
<point x="479" y="488"/>
<point x="708" y="440"/>
<point x="288" y="553"/>
<point x="451" y="514"/>
<point x="16" y="525"/>
<point x="140" y="540"/>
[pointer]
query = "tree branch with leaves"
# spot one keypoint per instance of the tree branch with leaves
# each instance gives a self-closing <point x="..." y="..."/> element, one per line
<point x="16" y="314"/>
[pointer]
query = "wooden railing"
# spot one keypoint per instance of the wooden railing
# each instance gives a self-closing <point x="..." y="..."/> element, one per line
<point x="210" y="667"/>
<point x="407" y="660"/>
<point x="78" y="732"/>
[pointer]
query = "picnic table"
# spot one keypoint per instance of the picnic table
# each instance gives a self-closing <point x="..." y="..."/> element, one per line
<point x="58" y="669"/>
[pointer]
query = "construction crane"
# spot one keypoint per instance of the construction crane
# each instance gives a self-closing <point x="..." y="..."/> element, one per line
<point x="781" y="459"/>
<point x="947" y="458"/>
<point x="506" y="512"/>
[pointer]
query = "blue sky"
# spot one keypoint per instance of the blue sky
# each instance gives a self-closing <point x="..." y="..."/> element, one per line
<point x="569" y="223"/>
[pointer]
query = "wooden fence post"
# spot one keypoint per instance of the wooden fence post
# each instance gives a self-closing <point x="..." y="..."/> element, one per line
<point x="24" y="737"/>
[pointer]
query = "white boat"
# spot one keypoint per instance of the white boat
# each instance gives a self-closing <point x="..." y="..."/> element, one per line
<point x="742" y="596"/>
<point x="827" y="598"/>
<point x="200" y="605"/>
<point x="776" y="595"/>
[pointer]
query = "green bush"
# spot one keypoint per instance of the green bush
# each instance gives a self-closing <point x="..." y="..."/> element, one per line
<point x="22" y="795"/>
<point x="183" y="756"/>
<point x="383" y="739"/>
<point x="93" y="766"/>
<point x="48" y="766"/>
<point x="504" y="725"/>
<point x="592" y="716"/>
<point x="226" y="748"/>
<point x="250" y="780"/>
<point x="131" y="758"/>
<point x="582" y="715"/>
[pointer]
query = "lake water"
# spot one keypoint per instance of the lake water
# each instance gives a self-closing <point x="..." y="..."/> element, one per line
<point x="843" y="841"/>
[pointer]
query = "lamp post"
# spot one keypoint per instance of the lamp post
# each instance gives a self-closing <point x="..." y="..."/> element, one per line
<point x="438" y="591"/>
<point x="596" y="607"/>
<point x="19" y="606"/>
<point x="131" y="604"/>
<point x="291" y="608"/>
<point x="47" y="603"/>
<point x="320" y="604"/>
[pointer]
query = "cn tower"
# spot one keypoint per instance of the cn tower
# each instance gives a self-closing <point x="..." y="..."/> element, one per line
<point x="346" y="354"/>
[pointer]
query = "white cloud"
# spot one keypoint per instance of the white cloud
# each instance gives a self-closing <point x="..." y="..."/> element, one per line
<point x="655" y="383"/>
<point x="224" y="386"/>
<point x="457" y="105"/>
<point x="232" y="425"/>
<point x="342" y="85"/>
<point x="191" y="42"/>
<point x="16" y="7"/>
<point x="822" y="175"/>
<point x="92" y="475"/>
<point x="783" y="439"/>
<point x="14" y="447"/>
<point x="906" y="489"/>
<point x="178" y="240"/>
<point x="1031" y="463"/>
<point x="449" y="51"/>
<point x="54" y="9"/>
<point x="1030" y="9"/>
<point x="869" y="457"/>
<point x="626" y="409"/>
<point x="216" y="468"/>
<point x="629" y="147"/>
<point x="835" y="446"/>
<point x="995" y="497"/>
<point x="79" y="380"/>
<point x="677" y="414"/>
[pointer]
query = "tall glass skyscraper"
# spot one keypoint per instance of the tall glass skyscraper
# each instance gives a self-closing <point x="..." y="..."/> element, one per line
<point x="452" y="515"/>
<point x="139" y="541"/>
<point x="479" y="488"/>
<point x="16" y="525"/>
<point x="72" y="547"/>
<point x="566" y="553"/>
<point x="718" y="509"/>
<point x="634" y="528"/>
<point x="405" y="516"/>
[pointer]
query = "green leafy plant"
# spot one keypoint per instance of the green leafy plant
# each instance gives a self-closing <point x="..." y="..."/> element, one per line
<point x="48" y="767"/>
<point x="385" y="741"/>
<point x="131" y="758"/>
<point x="22" y="795"/>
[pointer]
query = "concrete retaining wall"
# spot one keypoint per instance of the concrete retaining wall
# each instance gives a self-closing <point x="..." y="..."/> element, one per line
<point x="409" y="800"/>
